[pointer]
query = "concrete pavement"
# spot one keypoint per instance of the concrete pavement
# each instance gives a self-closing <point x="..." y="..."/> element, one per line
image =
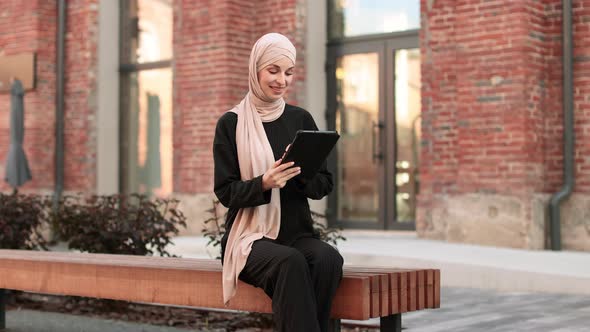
<point x="462" y="310"/>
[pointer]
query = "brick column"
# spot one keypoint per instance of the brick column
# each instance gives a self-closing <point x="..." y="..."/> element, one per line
<point x="491" y="118"/>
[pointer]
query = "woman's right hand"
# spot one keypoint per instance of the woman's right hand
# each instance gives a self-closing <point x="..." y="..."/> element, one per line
<point x="278" y="175"/>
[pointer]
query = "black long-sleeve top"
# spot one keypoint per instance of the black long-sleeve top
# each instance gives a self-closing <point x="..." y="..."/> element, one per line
<point x="234" y="193"/>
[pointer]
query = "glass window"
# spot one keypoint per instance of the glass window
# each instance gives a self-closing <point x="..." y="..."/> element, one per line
<point x="150" y="30"/>
<point x="349" y="18"/>
<point x="146" y="97"/>
<point x="149" y="132"/>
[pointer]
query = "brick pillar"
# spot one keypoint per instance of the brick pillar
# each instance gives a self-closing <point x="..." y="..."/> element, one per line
<point x="491" y="87"/>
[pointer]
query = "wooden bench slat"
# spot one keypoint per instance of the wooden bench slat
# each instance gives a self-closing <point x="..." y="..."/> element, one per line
<point x="394" y="281"/>
<point x="430" y="289"/>
<point x="385" y="295"/>
<point x="420" y="289"/>
<point x="436" y="288"/>
<point x="412" y="278"/>
<point x="403" y="292"/>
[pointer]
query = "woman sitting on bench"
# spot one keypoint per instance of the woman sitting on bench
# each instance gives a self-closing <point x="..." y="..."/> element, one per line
<point x="270" y="242"/>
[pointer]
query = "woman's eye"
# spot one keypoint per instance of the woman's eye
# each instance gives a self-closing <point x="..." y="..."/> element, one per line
<point x="273" y="71"/>
<point x="289" y="73"/>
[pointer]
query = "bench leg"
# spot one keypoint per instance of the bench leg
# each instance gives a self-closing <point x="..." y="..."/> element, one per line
<point x="334" y="325"/>
<point x="391" y="323"/>
<point x="2" y="310"/>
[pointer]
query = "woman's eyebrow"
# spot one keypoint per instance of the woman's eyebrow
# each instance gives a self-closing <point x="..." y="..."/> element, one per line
<point x="275" y="66"/>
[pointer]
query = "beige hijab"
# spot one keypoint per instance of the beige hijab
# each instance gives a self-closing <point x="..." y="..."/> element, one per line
<point x="255" y="157"/>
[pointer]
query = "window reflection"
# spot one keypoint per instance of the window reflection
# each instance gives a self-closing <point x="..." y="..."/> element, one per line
<point x="364" y="17"/>
<point x="407" y="117"/>
<point x="152" y="21"/>
<point x="146" y="112"/>
<point x="357" y="78"/>
<point x="150" y="132"/>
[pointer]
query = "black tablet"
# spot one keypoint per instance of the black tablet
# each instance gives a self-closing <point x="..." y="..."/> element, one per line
<point x="310" y="149"/>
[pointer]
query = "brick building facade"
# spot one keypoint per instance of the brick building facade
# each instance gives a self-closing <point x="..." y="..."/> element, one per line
<point x="490" y="89"/>
<point x="493" y="122"/>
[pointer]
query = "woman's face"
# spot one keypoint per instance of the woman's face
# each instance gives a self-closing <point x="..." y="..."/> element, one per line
<point x="274" y="79"/>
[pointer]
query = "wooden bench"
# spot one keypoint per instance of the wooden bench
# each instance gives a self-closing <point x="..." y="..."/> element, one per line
<point x="364" y="292"/>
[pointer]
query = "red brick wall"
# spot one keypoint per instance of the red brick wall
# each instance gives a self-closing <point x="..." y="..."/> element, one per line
<point x="544" y="88"/>
<point x="476" y="68"/>
<point x="29" y="26"/>
<point x="212" y="42"/>
<point x="438" y="161"/>
<point x="492" y="100"/>
<point x="582" y="94"/>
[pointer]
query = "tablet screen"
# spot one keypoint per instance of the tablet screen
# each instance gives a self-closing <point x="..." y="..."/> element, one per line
<point x="310" y="149"/>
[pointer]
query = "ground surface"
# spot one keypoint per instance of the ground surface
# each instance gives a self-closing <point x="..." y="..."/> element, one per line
<point x="461" y="310"/>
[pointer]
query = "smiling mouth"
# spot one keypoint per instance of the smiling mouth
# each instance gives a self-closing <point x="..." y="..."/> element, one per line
<point x="275" y="89"/>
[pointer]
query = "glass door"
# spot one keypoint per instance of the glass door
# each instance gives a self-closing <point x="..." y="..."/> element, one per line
<point x="357" y="104"/>
<point x="374" y="103"/>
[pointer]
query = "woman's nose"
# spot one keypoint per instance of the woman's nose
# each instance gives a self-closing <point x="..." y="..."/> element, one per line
<point x="281" y="79"/>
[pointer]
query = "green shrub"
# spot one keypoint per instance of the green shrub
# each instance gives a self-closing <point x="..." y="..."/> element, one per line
<point x="118" y="224"/>
<point x="327" y="234"/>
<point x="21" y="220"/>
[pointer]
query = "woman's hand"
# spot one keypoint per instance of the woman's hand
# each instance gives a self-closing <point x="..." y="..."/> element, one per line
<point x="278" y="175"/>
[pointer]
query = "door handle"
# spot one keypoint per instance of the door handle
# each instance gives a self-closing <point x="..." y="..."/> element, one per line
<point x="376" y="135"/>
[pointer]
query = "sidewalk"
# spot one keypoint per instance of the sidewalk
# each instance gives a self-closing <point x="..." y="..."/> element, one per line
<point x="39" y="321"/>
<point x="462" y="310"/>
<point x="461" y="265"/>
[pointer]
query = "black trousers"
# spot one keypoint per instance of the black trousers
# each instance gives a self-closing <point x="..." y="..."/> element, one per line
<point x="300" y="279"/>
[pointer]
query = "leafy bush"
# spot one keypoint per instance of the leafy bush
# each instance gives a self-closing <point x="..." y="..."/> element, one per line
<point x="118" y="224"/>
<point x="327" y="234"/>
<point x="216" y="231"/>
<point x="21" y="221"/>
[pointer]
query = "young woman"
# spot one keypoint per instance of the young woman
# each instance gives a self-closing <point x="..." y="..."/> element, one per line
<point x="270" y="242"/>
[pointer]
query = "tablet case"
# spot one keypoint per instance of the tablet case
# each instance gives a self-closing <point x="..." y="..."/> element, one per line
<point x="310" y="149"/>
